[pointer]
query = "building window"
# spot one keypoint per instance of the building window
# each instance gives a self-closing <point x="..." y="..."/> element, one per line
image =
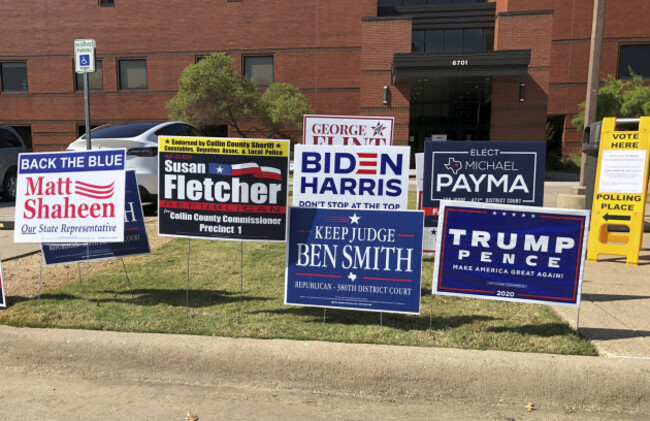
<point x="452" y="40"/>
<point x="14" y="77"/>
<point x="635" y="58"/>
<point x="106" y="3"/>
<point x="393" y="3"/>
<point x="259" y="69"/>
<point x="95" y="79"/>
<point x="133" y="74"/>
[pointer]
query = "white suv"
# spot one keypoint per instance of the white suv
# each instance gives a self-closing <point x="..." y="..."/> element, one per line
<point x="11" y="144"/>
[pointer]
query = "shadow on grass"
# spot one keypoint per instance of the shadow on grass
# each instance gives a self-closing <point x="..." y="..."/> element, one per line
<point x="544" y="330"/>
<point x="396" y="321"/>
<point x="176" y="297"/>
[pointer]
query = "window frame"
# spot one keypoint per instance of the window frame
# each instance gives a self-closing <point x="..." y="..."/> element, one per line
<point x="78" y="78"/>
<point x="272" y="57"/>
<point x="628" y="76"/>
<point x="2" y="77"/>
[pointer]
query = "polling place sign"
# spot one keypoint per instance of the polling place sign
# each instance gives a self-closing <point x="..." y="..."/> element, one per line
<point x="223" y="188"/>
<point x="135" y="235"/>
<point x="512" y="253"/>
<point x="490" y="172"/>
<point x="347" y="130"/>
<point x="356" y="260"/>
<point x="69" y="197"/>
<point x="354" y="177"/>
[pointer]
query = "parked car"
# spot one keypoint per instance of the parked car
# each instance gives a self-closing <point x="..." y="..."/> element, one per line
<point x="141" y="143"/>
<point x="11" y="144"/>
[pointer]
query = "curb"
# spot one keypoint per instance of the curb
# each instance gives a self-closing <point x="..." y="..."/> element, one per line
<point x="559" y="381"/>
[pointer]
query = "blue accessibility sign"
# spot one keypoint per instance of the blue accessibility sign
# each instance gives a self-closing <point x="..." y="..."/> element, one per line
<point x="84" y="59"/>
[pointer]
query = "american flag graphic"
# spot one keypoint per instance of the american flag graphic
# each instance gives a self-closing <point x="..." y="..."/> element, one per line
<point x="246" y="168"/>
<point x="367" y="163"/>
<point x="94" y="191"/>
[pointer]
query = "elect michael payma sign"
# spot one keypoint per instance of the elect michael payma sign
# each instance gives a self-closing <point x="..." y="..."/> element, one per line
<point x="493" y="172"/>
<point x="363" y="260"/>
<point x="355" y="177"/>
<point x="347" y="130"/>
<point x="515" y="253"/>
<point x="70" y="197"/>
<point x="223" y="188"/>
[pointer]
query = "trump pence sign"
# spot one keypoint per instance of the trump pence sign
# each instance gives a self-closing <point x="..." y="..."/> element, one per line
<point x="512" y="253"/>
<point x="69" y="197"/>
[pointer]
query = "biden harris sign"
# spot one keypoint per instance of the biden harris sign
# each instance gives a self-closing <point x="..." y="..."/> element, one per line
<point x="512" y="253"/>
<point x="354" y="177"/>
<point x="356" y="260"/>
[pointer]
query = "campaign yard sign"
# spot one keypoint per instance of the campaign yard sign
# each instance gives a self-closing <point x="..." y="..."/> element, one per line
<point x="135" y="235"/>
<point x="354" y="177"/>
<point x="70" y="197"/>
<point x="354" y="259"/>
<point x="347" y="130"/>
<point x="491" y="172"/>
<point x="3" y="302"/>
<point x="223" y="188"/>
<point x="512" y="253"/>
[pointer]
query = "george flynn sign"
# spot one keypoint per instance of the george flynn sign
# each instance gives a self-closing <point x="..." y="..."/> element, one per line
<point x="135" y="235"/>
<point x="354" y="259"/>
<point x="354" y="177"/>
<point x="70" y="197"/>
<point x="347" y="130"/>
<point x="223" y="188"/>
<point x="513" y="253"/>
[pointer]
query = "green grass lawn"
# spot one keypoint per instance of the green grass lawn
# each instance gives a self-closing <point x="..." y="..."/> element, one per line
<point x="159" y="304"/>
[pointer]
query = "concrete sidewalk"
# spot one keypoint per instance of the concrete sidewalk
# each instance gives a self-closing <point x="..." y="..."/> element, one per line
<point x="569" y="383"/>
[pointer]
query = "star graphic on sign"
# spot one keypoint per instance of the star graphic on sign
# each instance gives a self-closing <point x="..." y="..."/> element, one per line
<point x="219" y="169"/>
<point x="523" y="215"/>
<point x="378" y="130"/>
<point x="352" y="277"/>
<point x="354" y="219"/>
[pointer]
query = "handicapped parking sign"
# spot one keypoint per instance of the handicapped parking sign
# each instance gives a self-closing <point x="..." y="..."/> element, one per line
<point x="84" y="55"/>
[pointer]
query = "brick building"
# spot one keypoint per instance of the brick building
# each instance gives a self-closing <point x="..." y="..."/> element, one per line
<point x="468" y="69"/>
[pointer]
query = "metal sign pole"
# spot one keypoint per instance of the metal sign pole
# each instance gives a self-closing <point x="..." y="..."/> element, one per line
<point x="87" y="109"/>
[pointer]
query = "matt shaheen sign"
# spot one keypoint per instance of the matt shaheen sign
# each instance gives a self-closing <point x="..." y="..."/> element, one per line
<point x="223" y="188"/>
<point x="70" y="197"/>
<point x="347" y="130"/>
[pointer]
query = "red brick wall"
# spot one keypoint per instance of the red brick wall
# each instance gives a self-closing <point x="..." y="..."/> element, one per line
<point x="381" y="39"/>
<point x="316" y="46"/>
<point x="512" y="119"/>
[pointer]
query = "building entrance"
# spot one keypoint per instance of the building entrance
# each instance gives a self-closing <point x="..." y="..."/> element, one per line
<point x="458" y="108"/>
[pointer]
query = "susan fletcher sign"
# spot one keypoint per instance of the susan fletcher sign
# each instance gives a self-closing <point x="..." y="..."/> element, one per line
<point x="70" y="197"/>
<point x="356" y="260"/>
<point x="491" y="172"/>
<point x="223" y="188"/>
<point x="347" y="130"/>
<point x="512" y="253"/>
<point x="355" y="177"/>
<point x="135" y="235"/>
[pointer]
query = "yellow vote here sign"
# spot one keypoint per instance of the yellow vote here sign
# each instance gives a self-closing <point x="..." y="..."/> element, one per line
<point x="620" y="191"/>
